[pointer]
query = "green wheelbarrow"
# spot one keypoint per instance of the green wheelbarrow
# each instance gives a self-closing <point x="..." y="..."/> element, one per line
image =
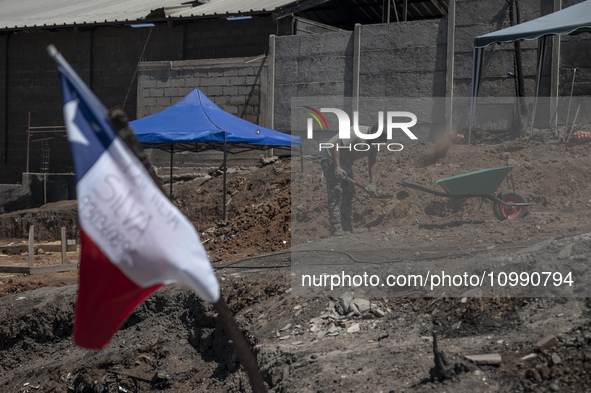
<point x="507" y="205"/>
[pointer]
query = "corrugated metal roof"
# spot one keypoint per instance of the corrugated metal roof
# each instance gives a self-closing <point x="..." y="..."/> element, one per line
<point x="30" y="14"/>
<point x="22" y="14"/>
<point x="232" y="7"/>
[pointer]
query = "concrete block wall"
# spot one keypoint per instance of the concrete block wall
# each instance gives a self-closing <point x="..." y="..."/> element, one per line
<point x="106" y="59"/>
<point x="3" y="45"/>
<point x="33" y="88"/>
<point x="403" y="59"/>
<point x="236" y="85"/>
<point x="308" y="66"/>
<point x="233" y="84"/>
<point x="395" y="60"/>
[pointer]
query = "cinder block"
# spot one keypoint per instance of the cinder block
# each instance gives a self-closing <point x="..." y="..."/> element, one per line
<point x="237" y="100"/>
<point x="198" y="73"/>
<point x="215" y="72"/>
<point x="171" y="92"/>
<point x="230" y="109"/>
<point x="230" y="90"/>
<point x="183" y="91"/>
<point x="238" y="80"/>
<point x="155" y="92"/>
<point x="246" y="71"/>
<point x="221" y="100"/>
<point x="222" y="81"/>
<point x="252" y="118"/>
<point x="163" y="101"/>
<point x="205" y="82"/>
<point x="213" y="91"/>
<point x="175" y="83"/>
<point x="252" y="80"/>
<point x="231" y="72"/>
<point x="245" y="90"/>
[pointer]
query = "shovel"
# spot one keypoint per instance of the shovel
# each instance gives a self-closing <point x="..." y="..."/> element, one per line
<point x="377" y="196"/>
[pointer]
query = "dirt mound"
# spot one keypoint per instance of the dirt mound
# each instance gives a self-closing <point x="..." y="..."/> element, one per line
<point x="172" y="342"/>
<point x="552" y="176"/>
<point x="185" y="343"/>
<point x="258" y="215"/>
<point x="47" y="219"/>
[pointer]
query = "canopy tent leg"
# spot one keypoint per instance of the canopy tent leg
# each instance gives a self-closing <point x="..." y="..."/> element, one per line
<point x="224" y="185"/>
<point x="476" y="70"/>
<point x="302" y="158"/>
<point x="171" y="158"/>
<point x="541" y="54"/>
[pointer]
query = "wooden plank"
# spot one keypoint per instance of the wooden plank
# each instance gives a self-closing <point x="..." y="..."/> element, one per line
<point x="438" y="7"/>
<point x="15" y="269"/>
<point x="54" y="268"/>
<point x="64" y="260"/>
<point x="405" y="10"/>
<point x="39" y="269"/>
<point x="31" y="245"/>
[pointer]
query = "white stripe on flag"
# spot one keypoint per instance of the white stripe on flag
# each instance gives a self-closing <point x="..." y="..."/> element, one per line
<point x="138" y="228"/>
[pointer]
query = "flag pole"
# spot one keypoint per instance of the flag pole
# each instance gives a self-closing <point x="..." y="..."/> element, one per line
<point x="120" y="122"/>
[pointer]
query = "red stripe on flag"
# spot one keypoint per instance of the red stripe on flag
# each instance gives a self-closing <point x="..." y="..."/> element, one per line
<point x="105" y="297"/>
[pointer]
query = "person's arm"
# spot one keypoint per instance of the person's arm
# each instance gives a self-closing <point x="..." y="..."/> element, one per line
<point x="336" y="159"/>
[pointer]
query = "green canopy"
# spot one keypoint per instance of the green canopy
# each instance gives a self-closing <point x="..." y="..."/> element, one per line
<point x="572" y="20"/>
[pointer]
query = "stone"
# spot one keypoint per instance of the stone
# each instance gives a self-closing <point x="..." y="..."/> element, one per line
<point x="346" y="324"/>
<point x="491" y="359"/>
<point x="344" y="302"/>
<point x="547" y="342"/>
<point x="566" y="251"/>
<point x="354" y="328"/>
<point x="268" y="160"/>
<point x="529" y="356"/>
<point x="474" y="292"/>
<point x="359" y="306"/>
<point x="555" y="359"/>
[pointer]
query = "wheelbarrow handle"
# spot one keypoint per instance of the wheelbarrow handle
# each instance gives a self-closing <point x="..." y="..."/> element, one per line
<point x="355" y="183"/>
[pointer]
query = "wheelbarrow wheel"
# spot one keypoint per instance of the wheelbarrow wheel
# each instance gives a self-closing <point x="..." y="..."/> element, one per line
<point x="503" y="212"/>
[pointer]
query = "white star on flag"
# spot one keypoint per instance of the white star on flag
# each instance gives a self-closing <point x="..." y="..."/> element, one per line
<point x="74" y="133"/>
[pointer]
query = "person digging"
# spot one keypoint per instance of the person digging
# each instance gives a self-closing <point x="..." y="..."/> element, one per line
<point x="337" y="165"/>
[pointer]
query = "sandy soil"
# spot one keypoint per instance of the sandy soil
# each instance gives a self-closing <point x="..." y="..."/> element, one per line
<point x="173" y="342"/>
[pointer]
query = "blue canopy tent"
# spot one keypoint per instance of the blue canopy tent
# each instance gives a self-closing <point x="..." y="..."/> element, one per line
<point x="196" y="124"/>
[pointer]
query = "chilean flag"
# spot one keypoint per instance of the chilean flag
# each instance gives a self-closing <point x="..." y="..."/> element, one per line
<point x="133" y="239"/>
